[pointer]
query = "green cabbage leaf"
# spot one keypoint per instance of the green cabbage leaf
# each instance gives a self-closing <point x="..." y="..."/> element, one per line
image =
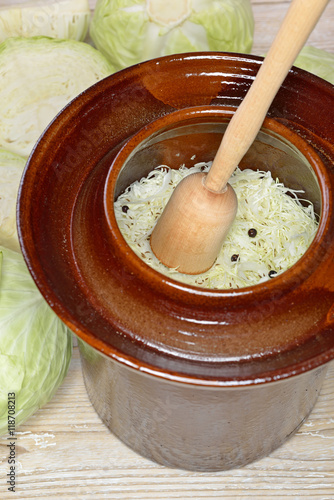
<point x="11" y="168"/>
<point x="317" y="61"/>
<point x="54" y="18"/>
<point x="35" y="345"/>
<point x="38" y="77"/>
<point x="131" y="31"/>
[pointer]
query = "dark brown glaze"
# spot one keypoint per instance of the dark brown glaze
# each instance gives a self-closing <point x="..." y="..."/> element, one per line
<point x="194" y="427"/>
<point x="143" y="322"/>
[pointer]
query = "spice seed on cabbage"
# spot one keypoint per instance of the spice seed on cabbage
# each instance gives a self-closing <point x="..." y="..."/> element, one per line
<point x="38" y="77"/>
<point x="131" y="31"/>
<point x="273" y="228"/>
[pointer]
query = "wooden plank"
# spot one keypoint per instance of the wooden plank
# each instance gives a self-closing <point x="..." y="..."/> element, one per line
<point x="65" y="450"/>
<point x="268" y="17"/>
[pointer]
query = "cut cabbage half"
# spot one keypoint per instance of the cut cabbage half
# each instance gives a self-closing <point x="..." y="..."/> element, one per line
<point x="54" y="18"/>
<point x="38" y="77"/>
<point x="11" y="168"/>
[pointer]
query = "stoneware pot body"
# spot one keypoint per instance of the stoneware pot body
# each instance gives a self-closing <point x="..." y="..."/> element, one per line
<point x="191" y="378"/>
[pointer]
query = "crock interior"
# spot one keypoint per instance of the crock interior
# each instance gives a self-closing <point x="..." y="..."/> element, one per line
<point x="191" y="143"/>
<point x="191" y="136"/>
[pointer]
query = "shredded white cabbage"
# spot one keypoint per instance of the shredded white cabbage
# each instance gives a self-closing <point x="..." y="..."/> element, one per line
<point x="284" y="227"/>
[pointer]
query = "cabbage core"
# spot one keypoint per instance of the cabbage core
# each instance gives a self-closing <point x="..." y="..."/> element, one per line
<point x="168" y="13"/>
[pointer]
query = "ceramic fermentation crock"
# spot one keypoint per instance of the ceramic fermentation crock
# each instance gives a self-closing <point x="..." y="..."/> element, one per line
<point x="199" y="379"/>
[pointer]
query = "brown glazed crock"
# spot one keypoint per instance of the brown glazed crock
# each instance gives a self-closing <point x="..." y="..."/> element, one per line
<point x="188" y="377"/>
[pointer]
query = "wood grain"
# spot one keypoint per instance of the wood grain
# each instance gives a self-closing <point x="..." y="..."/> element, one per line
<point x="64" y="450"/>
<point x="268" y="14"/>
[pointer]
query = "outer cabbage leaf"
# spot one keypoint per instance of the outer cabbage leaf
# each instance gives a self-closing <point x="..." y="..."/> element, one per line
<point x="11" y="168"/>
<point x="131" y="31"/>
<point x="38" y="77"/>
<point x="317" y="61"/>
<point x="35" y="346"/>
<point x="230" y="27"/>
<point x="54" y="18"/>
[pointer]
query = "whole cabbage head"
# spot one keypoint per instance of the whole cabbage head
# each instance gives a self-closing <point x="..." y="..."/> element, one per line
<point x="131" y="31"/>
<point x="35" y="345"/>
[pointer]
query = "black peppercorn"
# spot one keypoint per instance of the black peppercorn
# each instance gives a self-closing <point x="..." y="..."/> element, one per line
<point x="235" y="257"/>
<point x="272" y="273"/>
<point x="252" y="233"/>
<point x="125" y="208"/>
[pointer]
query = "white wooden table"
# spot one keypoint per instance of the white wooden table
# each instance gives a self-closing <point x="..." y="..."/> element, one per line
<point x="64" y="450"/>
